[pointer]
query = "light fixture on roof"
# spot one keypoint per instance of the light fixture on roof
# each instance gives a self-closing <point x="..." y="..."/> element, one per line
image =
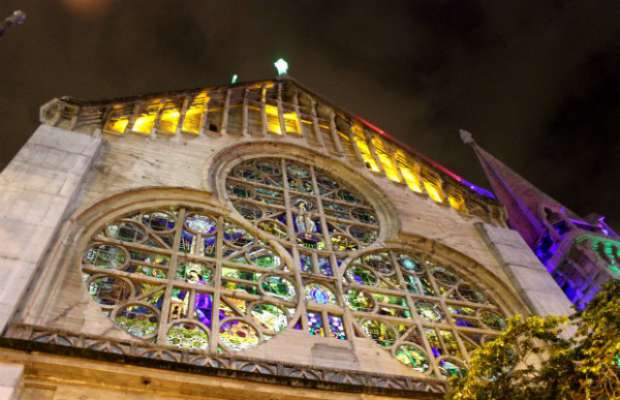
<point x="234" y="79"/>
<point x="281" y="66"/>
<point x="17" y="18"/>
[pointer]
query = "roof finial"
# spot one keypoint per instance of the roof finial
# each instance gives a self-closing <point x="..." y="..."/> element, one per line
<point x="282" y="67"/>
<point x="466" y="137"/>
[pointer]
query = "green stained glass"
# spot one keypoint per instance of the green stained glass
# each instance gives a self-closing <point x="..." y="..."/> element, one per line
<point x="409" y="264"/>
<point x="238" y="335"/>
<point x="429" y="311"/>
<point x="240" y="274"/>
<point x="364" y="234"/>
<point x="449" y="368"/>
<point x="348" y="196"/>
<point x="279" y="287"/>
<point x="419" y="285"/>
<point x="361" y="276"/>
<point x="470" y="293"/>
<point x="444" y="276"/>
<point x="269" y="316"/>
<point x="359" y="301"/>
<point x="159" y="221"/>
<point x="343" y="243"/>
<point x="493" y="320"/>
<point x="105" y="256"/>
<point x="138" y="320"/>
<point x="274" y="228"/>
<point x="364" y="215"/>
<point x="126" y="231"/>
<point x="193" y="272"/>
<point x="380" y="332"/>
<point x="188" y="336"/>
<point x="109" y="290"/>
<point x="413" y="357"/>
<point x="264" y="258"/>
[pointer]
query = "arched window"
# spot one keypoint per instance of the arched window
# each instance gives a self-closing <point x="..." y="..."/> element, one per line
<point x="189" y="277"/>
<point x="200" y="278"/>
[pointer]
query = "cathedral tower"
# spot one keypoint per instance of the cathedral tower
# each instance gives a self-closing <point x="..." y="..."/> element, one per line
<point x="580" y="253"/>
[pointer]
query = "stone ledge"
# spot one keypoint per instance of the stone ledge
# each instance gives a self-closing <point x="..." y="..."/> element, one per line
<point x="31" y="338"/>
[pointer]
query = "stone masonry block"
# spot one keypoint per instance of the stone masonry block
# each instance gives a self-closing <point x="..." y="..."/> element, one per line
<point x="518" y="256"/>
<point x="67" y="141"/>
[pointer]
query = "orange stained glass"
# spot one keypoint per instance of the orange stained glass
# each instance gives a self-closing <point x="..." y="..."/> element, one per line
<point x="381" y="149"/>
<point x="360" y="142"/>
<point x="192" y="123"/>
<point x="273" y="119"/>
<point x="169" y="121"/>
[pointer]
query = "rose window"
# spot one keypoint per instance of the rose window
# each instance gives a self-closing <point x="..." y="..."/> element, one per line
<point x="190" y="278"/>
<point x="423" y="312"/>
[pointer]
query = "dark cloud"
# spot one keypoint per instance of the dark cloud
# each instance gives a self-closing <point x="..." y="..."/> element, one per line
<point x="536" y="82"/>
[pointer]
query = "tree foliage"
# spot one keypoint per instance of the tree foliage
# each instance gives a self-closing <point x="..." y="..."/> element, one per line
<point x="544" y="358"/>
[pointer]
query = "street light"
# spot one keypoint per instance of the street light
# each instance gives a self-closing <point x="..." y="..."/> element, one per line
<point x="17" y="18"/>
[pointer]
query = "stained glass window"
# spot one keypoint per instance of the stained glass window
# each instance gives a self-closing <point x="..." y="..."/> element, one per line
<point x="190" y="278"/>
<point x="419" y="309"/>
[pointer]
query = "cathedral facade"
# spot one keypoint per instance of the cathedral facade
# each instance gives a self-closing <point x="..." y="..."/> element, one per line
<point x="246" y="241"/>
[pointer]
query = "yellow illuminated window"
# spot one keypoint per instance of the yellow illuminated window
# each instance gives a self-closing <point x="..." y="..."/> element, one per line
<point x="386" y="159"/>
<point x="457" y="202"/>
<point x="360" y="142"/>
<point x="434" y="191"/>
<point x="193" y="116"/>
<point x="291" y="122"/>
<point x="116" y="125"/>
<point x="273" y="120"/>
<point x="169" y="121"/>
<point x="412" y="177"/>
<point x="145" y="121"/>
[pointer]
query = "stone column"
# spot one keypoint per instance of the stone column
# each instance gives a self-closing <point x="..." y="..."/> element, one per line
<point x="36" y="190"/>
<point x="535" y="285"/>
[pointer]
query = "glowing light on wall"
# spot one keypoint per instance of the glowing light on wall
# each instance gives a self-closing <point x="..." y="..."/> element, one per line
<point x="193" y="116"/>
<point x="433" y="190"/>
<point x="273" y="119"/>
<point x="360" y="142"/>
<point x="169" y="121"/>
<point x="291" y="122"/>
<point x="145" y="121"/>
<point x="117" y="125"/>
<point x="386" y="160"/>
<point x="457" y="202"/>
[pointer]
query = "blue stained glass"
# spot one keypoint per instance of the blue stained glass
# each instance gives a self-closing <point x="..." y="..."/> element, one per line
<point x="325" y="266"/>
<point x="336" y="327"/>
<point x="319" y="294"/>
<point x="306" y="262"/>
<point x="315" y="324"/>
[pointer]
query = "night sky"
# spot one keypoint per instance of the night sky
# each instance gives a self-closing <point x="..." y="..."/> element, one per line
<point x="536" y="82"/>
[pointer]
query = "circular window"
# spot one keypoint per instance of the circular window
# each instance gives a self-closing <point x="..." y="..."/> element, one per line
<point x="421" y="310"/>
<point x="190" y="278"/>
<point x="302" y="205"/>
